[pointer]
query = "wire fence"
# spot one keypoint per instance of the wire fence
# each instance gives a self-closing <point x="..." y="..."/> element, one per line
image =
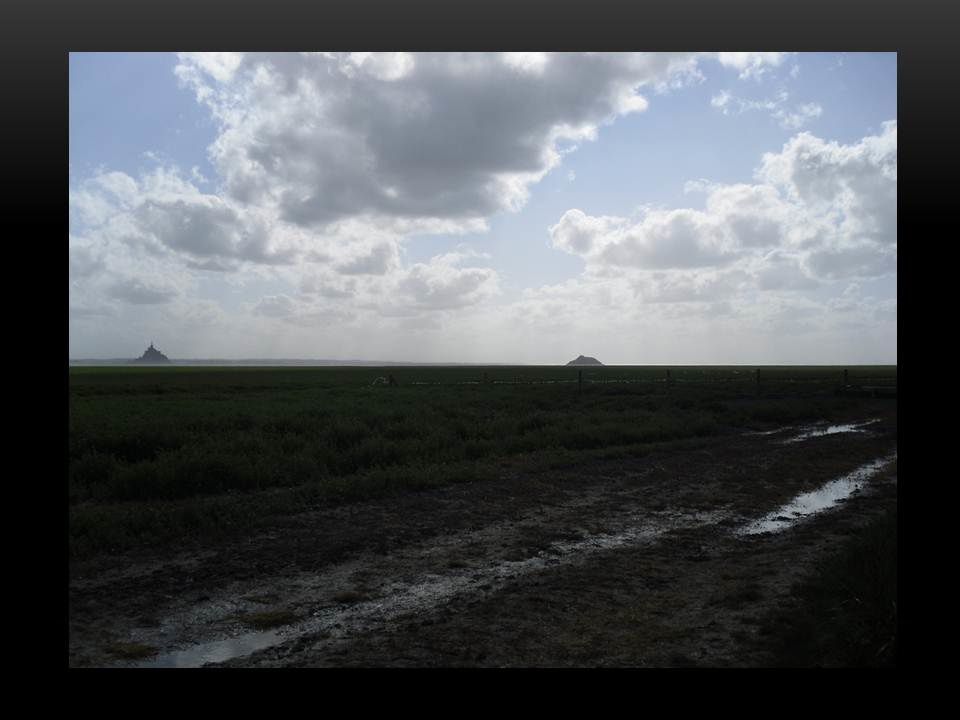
<point x="669" y="377"/>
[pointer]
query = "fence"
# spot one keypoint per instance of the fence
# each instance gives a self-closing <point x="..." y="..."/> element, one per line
<point x="769" y="377"/>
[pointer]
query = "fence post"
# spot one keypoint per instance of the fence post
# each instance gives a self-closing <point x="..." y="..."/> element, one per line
<point x="579" y="382"/>
<point x="758" y="381"/>
<point x="846" y="379"/>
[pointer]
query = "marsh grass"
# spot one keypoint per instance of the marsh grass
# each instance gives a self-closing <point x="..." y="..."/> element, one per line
<point x="156" y="454"/>
<point x="847" y="614"/>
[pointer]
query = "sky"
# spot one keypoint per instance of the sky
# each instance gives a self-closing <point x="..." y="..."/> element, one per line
<point x="640" y="208"/>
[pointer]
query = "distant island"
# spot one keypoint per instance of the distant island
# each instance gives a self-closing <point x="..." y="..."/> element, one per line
<point x="152" y="355"/>
<point x="584" y="360"/>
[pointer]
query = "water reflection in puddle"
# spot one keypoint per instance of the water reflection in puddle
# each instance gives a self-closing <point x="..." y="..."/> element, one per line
<point x="767" y="432"/>
<point x="428" y="592"/>
<point x="830" y="430"/>
<point x="217" y="651"/>
<point x="812" y="502"/>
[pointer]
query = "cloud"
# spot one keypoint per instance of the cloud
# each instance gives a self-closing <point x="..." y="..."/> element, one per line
<point x="206" y="228"/>
<point x="864" y="260"/>
<point x="141" y="292"/>
<point x="799" y="117"/>
<point x="661" y="239"/>
<point x="854" y="184"/>
<point x="275" y="306"/>
<point x="329" y="285"/>
<point x="739" y="273"/>
<point x="195" y="313"/>
<point x="325" y="164"/>
<point x="686" y="287"/>
<point x="85" y="259"/>
<point x="787" y="118"/>
<point x="752" y="65"/>
<point x="819" y="210"/>
<point x="579" y="234"/>
<point x="322" y="137"/>
<point x="442" y="284"/>
<point x="782" y="271"/>
<point x="681" y="238"/>
<point x="83" y="311"/>
<point x="377" y="261"/>
<point x="335" y="157"/>
<point x="163" y="213"/>
<point x="301" y="311"/>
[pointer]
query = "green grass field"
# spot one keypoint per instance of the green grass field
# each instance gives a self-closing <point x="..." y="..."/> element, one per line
<point x="161" y="452"/>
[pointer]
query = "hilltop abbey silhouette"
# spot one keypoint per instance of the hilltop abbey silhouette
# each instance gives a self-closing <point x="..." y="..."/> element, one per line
<point x="152" y="355"/>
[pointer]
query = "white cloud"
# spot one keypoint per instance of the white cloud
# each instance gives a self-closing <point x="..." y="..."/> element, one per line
<point x="454" y="137"/>
<point x="820" y="217"/>
<point x="165" y="214"/>
<point x="855" y="186"/>
<point x="387" y="66"/>
<point x="752" y="65"/>
<point x="328" y="285"/>
<point x="528" y="62"/>
<point x="668" y="239"/>
<point x="819" y="210"/>
<point x="301" y="311"/>
<point x="800" y="116"/>
<point x="580" y="234"/>
<point x="721" y="100"/>
<point x="221" y="66"/>
<point x="779" y="270"/>
<point x="141" y="292"/>
<point x="275" y="306"/>
<point x="326" y="164"/>
<point x="86" y="258"/>
<point x="788" y="118"/>
<point x="443" y="283"/>
<point x="377" y="261"/>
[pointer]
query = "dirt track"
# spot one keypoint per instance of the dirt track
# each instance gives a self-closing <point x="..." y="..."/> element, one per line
<point x="631" y="562"/>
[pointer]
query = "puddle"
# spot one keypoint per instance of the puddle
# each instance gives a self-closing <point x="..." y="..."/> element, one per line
<point x="812" y="502"/>
<point x="754" y="433"/>
<point x="830" y="430"/>
<point x="217" y="651"/>
<point x="423" y="594"/>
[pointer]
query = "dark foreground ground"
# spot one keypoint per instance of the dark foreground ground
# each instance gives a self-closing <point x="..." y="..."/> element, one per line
<point x="624" y="561"/>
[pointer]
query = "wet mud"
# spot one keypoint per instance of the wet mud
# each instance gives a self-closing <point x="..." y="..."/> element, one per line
<point x="671" y="559"/>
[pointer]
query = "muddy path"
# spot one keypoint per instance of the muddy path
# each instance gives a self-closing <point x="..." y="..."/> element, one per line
<point x="636" y="562"/>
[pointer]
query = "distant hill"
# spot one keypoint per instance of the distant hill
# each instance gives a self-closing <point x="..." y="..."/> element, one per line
<point x="584" y="360"/>
<point x="152" y="355"/>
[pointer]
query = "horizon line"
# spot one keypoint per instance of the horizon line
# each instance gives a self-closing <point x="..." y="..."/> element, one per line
<point x="356" y="361"/>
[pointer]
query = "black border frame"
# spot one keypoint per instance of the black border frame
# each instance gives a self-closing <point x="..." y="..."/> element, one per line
<point x="41" y="33"/>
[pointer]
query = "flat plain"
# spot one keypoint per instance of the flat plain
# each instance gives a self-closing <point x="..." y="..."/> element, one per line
<point x="480" y="516"/>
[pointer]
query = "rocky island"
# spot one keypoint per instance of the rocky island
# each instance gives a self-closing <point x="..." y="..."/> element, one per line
<point x="152" y="355"/>
<point x="584" y="360"/>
